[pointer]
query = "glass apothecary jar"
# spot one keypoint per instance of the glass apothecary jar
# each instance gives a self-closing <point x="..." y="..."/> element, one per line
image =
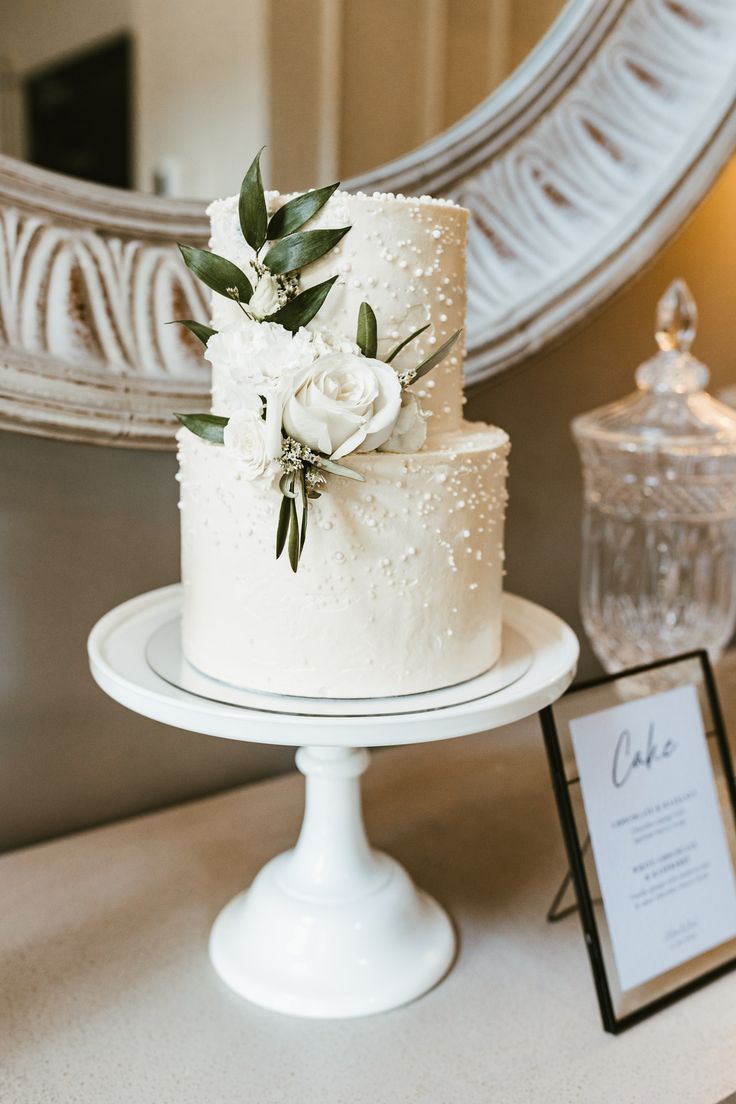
<point x="659" y="525"/>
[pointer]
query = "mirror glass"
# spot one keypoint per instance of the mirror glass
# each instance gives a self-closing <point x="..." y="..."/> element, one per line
<point x="175" y="96"/>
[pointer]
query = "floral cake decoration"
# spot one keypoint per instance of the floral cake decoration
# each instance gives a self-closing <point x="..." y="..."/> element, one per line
<point x="310" y="398"/>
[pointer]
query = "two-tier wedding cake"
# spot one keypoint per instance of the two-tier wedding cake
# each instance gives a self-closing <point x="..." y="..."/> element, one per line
<point x="336" y="437"/>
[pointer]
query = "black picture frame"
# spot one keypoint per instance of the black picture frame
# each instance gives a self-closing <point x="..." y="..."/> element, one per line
<point x="580" y="856"/>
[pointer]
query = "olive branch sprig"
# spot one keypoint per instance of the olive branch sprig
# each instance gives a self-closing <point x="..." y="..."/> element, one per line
<point x="291" y="249"/>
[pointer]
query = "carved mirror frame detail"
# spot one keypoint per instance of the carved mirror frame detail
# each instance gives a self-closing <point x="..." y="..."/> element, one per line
<point x="576" y="171"/>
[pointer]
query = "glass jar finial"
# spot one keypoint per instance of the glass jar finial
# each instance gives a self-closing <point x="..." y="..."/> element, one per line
<point x="673" y="368"/>
<point x="677" y="318"/>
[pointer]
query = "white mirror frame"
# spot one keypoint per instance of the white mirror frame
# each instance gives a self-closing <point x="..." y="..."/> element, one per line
<point x="576" y="171"/>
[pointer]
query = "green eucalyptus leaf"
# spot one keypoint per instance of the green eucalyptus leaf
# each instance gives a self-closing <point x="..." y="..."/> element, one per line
<point x="283" y="525"/>
<point x="299" y="250"/>
<point x="210" y="427"/>
<point x="286" y="484"/>
<point x="338" y="469"/>
<point x="294" y="214"/>
<point x="204" y="333"/>
<point x="217" y="272"/>
<point x="402" y="344"/>
<point x="252" y="205"/>
<point x="367" y="336"/>
<point x="305" y="510"/>
<point x="436" y="358"/>
<point x="293" y="535"/>
<point x="302" y="309"/>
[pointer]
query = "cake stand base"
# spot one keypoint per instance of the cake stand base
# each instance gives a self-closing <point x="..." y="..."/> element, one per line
<point x="332" y="929"/>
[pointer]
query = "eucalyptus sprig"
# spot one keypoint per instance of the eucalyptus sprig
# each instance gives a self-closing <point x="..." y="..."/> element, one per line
<point x="291" y="250"/>
<point x="366" y="339"/>
<point x="302" y="467"/>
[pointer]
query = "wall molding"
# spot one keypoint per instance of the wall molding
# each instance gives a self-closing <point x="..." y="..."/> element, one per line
<point x="576" y="172"/>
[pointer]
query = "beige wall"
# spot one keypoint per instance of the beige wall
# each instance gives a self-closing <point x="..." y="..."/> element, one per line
<point x="36" y="31"/>
<point x="202" y="92"/>
<point x="82" y="529"/>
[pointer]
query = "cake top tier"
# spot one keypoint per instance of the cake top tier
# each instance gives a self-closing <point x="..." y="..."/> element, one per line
<point x="405" y="256"/>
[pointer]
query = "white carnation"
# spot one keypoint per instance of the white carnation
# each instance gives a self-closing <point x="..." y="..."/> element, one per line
<point x="244" y="438"/>
<point x="256" y="354"/>
<point x="265" y="298"/>
<point x="410" y="431"/>
<point x="252" y="361"/>
<point x="343" y="403"/>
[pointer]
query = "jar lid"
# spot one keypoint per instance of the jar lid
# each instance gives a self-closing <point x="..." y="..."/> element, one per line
<point x="670" y="410"/>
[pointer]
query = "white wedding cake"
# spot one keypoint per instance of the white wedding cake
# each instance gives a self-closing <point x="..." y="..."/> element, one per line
<point x="389" y="505"/>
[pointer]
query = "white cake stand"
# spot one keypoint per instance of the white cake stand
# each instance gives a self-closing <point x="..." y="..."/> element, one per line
<point x="331" y="928"/>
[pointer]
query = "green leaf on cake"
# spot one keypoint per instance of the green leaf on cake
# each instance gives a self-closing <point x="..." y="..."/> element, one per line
<point x="402" y="344"/>
<point x="305" y="510"/>
<point x="283" y="525"/>
<point x="210" y="427"/>
<point x="204" y="333"/>
<point x="217" y="273"/>
<point x="338" y="469"/>
<point x="302" y="309"/>
<point x="299" y="250"/>
<point x="252" y="206"/>
<point x="367" y="336"/>
<point x="294" y="214"/>
<point x="436" y="358"/>
<point x="293" y="535"/>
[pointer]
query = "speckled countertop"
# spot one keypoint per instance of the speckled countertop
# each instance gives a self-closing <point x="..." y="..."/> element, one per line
<point x="107" y="996"/>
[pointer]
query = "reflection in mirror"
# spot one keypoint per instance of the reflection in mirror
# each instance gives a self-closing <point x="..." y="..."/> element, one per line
<point x="173" y="96"/>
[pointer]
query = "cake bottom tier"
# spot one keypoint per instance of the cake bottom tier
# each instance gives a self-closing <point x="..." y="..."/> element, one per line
<point x="398" y="590"/>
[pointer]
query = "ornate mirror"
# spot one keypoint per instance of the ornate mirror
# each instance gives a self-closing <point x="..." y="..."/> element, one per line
<point x="576" y="167"/>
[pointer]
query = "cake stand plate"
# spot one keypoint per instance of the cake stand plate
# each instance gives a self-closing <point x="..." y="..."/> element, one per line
<point x="330" y="928"/>
<point x="165" y="657"/>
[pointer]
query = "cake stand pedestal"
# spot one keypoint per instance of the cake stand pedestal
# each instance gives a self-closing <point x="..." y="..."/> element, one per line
<point x="331" y="928"/>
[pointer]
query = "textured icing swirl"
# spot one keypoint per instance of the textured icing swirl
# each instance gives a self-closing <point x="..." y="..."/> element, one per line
<point x="405" y="256"/>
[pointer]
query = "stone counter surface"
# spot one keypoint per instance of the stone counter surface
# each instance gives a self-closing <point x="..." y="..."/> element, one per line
<point x="107" y="994"/>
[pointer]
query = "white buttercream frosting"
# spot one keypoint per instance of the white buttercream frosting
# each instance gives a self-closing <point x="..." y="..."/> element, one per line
<point x="398" y="589"/>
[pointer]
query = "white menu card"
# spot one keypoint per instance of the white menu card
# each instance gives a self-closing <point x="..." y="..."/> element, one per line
<point x="658" y="839"/>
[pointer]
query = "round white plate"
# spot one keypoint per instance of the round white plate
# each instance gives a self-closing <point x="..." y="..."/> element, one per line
<point x="165" y="657"/>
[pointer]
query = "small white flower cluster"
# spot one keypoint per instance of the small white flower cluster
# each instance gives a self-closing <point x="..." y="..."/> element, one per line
<point x="317" y="389"/>
<point x="270" y="292"/>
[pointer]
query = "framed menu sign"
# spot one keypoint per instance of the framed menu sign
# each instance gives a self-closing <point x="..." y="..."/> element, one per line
<point x="645" y="791"/>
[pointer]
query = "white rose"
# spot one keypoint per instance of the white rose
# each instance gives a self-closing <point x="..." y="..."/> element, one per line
<point x="410" y="431"/>
<point x="244" y="438"/>
<point x="343" y="403"/>
<point x="265" y="298"/>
